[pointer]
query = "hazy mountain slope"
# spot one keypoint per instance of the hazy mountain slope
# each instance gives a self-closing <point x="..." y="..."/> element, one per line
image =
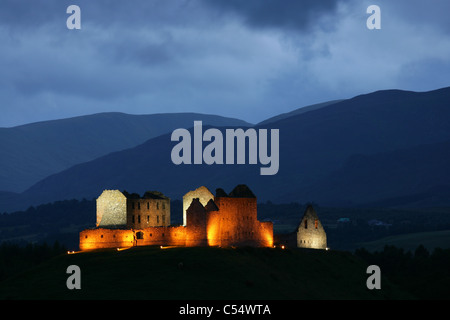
<point x="316" y="152"/>
<point x="317" y="143"/>
<point x="412" y="175"/>
<point x="299" y="111"/>
<point x="31" y="152"/>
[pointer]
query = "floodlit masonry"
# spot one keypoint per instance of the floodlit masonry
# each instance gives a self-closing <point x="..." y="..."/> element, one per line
<point x="308" y="234"/>
<point x="128" y="220"/>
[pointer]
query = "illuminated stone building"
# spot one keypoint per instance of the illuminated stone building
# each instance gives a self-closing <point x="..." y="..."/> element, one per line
<point x="310" y="232"/>
<point x="126" y="220"/>
<point x="117" y="209"/>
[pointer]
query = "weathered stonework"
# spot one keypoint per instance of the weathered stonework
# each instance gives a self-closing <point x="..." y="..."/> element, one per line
<point x="310" y="232"/>
<point x="111" y="209"/>
<point x="225" y="220"/>
<point x="100" y="238"/>
<point x="150" y="210"/>
<point x="117" y="209"/>
<point x="127" y="220"/>
<point x="202" y="193"/>
<point x="236" y="222"/>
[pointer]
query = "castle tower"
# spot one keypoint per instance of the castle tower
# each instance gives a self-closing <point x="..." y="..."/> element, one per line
<point x="310" y="232"/>
<point x="238" y="220"/>
<point x="111" y="209"/>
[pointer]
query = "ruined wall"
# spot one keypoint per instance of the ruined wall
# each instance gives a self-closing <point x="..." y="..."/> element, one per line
<point x="196" y="234"/>
<point x="202" y="193"/>
<point x="265" y="234"/>
<point x="310" y="232"/>
<point x="105" y="238"/>
<point x="161" y="236"/>
<point x="238" y="223"/>
<point x="144" y="213"/>
<point x="122" y="238"/>
<point x="111" y="209"/>
<point x="125" y="221"/>
<point x="237" y="219"/>
<point x="214" y="228"/>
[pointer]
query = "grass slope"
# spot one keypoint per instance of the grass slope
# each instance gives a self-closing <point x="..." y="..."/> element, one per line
<point x="206" y="273"/>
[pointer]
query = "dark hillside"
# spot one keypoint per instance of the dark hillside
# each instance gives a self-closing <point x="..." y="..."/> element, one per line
<point x="202" y="273"/>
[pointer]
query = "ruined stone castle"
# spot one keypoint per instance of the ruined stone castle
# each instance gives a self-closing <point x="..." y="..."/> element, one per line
<point x="127" y="220"/>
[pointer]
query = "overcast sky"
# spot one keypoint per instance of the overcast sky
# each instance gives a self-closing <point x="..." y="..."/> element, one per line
<point x="249" y="59"/>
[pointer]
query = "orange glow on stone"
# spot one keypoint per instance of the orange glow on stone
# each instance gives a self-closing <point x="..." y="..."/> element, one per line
<point x="225" y="221"/>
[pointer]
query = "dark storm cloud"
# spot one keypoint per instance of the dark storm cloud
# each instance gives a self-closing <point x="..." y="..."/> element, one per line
<point x="422" y="14"/>
<point x="26" y="14"/>
<point x="239" y="58"/>
<point x="303" y="14"/>
<point x="298" y="15"/>
<point x="41" y="55"/>
<point x="29" y="14"/>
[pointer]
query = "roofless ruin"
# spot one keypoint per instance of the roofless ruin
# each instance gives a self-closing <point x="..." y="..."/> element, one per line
<point x="127" y="220"/>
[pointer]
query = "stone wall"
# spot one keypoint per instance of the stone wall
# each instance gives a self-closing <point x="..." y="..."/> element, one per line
<point x="310" y="232"/>
<point x="202" y="193"/>
<point x="161" y="236"/>
<point x="196" y="234"/>
<point x="238" y="223"/>
<point x="144" y="213"/>
<point x="265" y="234"/>
<point x="106" y="238"/>
<point x="125" y="220"/>
<point x="122" y="238"/>
<point x="235" y="218"/>
<point x="111" y="209"/>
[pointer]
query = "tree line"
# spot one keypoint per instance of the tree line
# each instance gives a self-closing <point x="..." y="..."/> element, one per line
<point x="18" y="257"/>
<point x="424" y="274"/>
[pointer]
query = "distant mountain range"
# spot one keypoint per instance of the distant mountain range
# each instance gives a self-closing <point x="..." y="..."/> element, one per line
<point x="388" y="147"/>
<point x="34" y="151"/>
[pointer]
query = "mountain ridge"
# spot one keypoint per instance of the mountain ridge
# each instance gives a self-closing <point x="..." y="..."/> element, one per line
<point x="315" y="146"/>
<point x="34" y="151"/>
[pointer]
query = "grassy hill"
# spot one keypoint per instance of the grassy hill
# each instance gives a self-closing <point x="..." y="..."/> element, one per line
<point x="201" y="273"/>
